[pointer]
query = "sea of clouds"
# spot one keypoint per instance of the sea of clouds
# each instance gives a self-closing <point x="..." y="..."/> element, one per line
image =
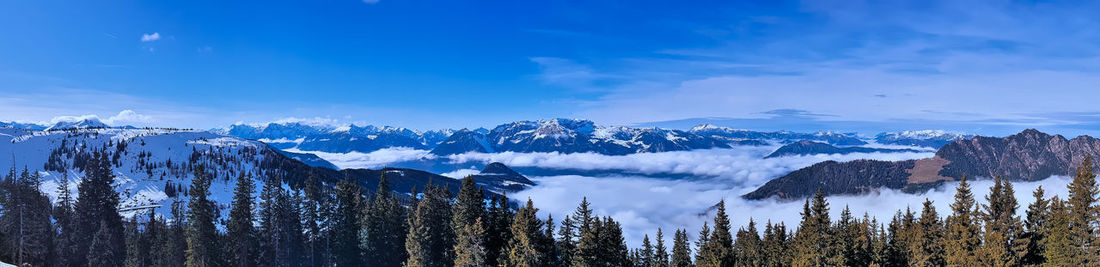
<point x="651" y="192"/>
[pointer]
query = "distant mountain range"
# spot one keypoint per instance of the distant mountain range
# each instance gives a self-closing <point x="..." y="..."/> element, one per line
<point x="555" y="135"/>
<point x="1027" y="156"/>
<point x="335" y="139"/>
<point x="924" y="138"/>
<point x="806" y="147"/>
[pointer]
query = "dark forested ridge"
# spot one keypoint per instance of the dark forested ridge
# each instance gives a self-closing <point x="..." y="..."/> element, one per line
<point x="807" y="147"/>
<point x="339" y="223"/>
<point x="1026" y="156"/>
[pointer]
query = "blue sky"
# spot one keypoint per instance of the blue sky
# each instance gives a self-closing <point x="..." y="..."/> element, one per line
<point x="979" y="66"/>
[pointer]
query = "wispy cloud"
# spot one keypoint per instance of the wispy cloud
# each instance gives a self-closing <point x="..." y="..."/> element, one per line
<point x="375" y="159"/>
<point x="150" y="37"/>
<point x="123" y="117"/>
<point x="994" y="61"/>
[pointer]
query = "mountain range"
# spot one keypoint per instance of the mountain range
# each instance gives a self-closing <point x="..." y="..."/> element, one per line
<point x="1030" y="155"/>
<point x="554" y="135"/>
<point x="806" y="147"/>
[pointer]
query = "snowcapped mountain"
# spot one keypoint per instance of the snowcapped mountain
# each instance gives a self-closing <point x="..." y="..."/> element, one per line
<point x="554" y="135"/>
<point x="155" y="166"/>
<point x="23" y="125"/>
<point x="726" y="133"/>
<point x="79" y="124"/>
<point x="574" y="136"/>
<point x="924" y="138"/>
<point x="341" y="139"/>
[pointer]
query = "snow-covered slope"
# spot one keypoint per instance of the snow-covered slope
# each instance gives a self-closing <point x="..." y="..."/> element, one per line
<point x="154" y="165"/>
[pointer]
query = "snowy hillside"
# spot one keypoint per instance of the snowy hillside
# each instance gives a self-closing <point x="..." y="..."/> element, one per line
<point x="152" y="166"/>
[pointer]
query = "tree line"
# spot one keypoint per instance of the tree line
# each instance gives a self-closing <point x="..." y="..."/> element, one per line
<point x="342" y="225"/>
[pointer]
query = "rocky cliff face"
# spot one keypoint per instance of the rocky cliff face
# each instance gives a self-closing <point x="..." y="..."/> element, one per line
<point x="1027" y="156"/>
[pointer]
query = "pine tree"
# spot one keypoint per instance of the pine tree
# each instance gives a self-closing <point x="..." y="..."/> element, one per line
<point x="844" y="239"/>
<point x="748" y="246"/>
<point x="469" y="205"/>
<point x="962" y="231"/>
<point x="775" y="245"/>
<point x="96" y="216"/>
<point x="385" y="229"/>
<point x="498" y="229"/>
<point x="1083" y="214"/>
<point x="645" y="254"/>
<point x="242" y="246"/>
<point x="681" y="250"/>
<point x="660" y="258"/>
<point x="25" y="220"/>
<point x="315" y="223"/>
<point x="63" y="215"/>
<point x="1059" y="249"/>
<point x="172" y="244"/>
<point x="702" y="242"/>
<point x="1038" y="214"/>
<point x="927" y="246"/>
<point x="202" y="244"/>
<point x="137" y="246"/>
<point x="523" y="247"/>
<point x="812" y="242"/>
<point x="345" y="236"/>
<point x="611" y="244"/>
<point x="280" y="225"/>
<point x="900" y="237"/>
<point x="430" y="241"/>
<point x="547" y="245"/>
<point x="1002" y="244"/>
<point x="149" y="246"/>
<point x="100" y="253"/>
<point x="567" y="242"/>
<point x="470" y="245"/>
<point x="719" y="248"/>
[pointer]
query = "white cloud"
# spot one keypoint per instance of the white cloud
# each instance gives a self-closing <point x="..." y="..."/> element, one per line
<point x="128" y="116"/>
<point x="944" y="61"/>
<point x="376" y="159"/>
<point x="370" y="1"/>
<point x="123" y="117"/>
<point x="740" y="165"/>
<point x="315" y="121"/>
<point x="73" y="118"/>
<point x="644" y="204"/>
<point x="150" y="37"/>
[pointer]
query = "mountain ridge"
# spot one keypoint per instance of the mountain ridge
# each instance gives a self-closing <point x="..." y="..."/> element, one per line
<point x="1030" y="155"/>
